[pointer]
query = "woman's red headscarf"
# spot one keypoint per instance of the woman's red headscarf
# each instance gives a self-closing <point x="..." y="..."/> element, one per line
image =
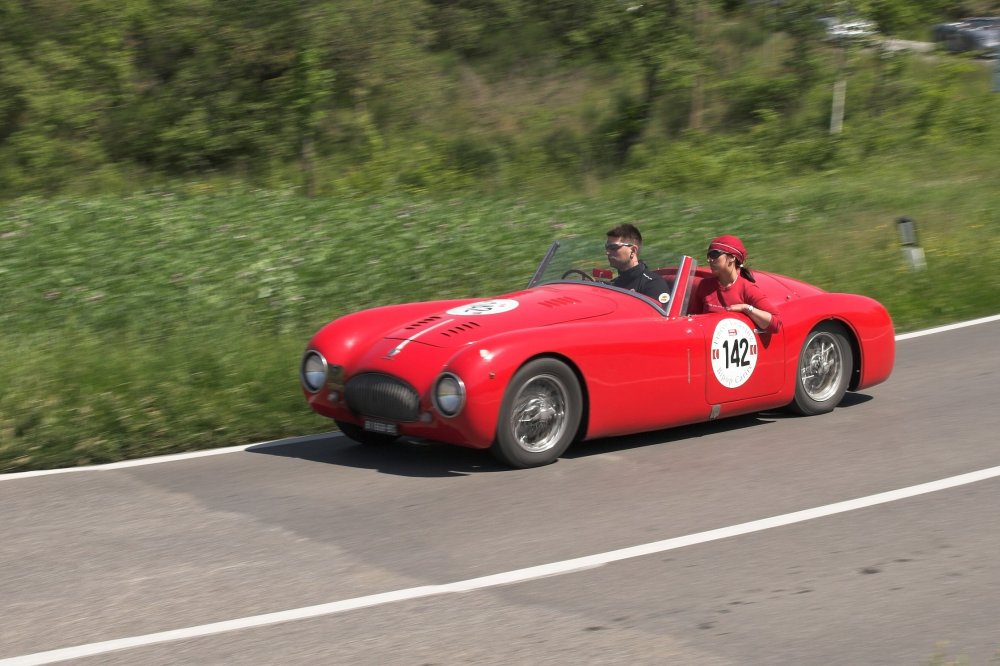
<point x="734" y="246"/>
<point x="730" y="245"/>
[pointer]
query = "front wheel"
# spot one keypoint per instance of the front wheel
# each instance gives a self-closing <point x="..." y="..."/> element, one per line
<point x="362" y="436"/>
<point x="539" y="415"/>
<point x="824" y="369"/>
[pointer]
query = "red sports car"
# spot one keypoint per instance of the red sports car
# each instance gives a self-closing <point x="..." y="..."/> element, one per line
<point x="572" y="357"/>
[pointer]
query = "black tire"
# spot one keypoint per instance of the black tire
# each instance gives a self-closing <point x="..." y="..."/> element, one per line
<point x="539" y="415"/>
<point x="824" y="370"/>
<point x="362" y="436"/>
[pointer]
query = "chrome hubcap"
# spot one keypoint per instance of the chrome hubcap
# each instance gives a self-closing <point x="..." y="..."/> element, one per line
<point x="538" y="419"/>
<point x="822" y="368"/>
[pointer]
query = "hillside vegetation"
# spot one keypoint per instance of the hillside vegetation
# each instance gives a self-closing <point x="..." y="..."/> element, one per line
<point x="360" y="96"/>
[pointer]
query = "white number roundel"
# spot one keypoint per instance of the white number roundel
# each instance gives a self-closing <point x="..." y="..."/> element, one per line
<point x="734" y="352"/>
<point x="496" y="306"/>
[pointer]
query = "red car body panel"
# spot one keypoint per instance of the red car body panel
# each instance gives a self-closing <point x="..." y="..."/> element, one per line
<point x="640" y="368"/>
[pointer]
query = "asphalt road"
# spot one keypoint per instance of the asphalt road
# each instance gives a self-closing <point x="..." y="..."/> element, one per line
<point x="96" y="556"/>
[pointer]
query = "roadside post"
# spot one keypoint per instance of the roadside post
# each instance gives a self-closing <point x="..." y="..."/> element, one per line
<point x="912" y="252"/>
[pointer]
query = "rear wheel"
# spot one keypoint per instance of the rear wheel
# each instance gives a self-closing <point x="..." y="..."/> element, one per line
<point x="824" y="369"/>
<point x="539" y="415"/>
<point x="359" y="434"/>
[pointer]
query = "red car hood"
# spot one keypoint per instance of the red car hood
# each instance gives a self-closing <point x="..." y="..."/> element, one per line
<point x="542" y="306"/>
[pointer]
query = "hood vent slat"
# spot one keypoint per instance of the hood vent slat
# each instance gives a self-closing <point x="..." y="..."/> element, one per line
<point x="422" y="322"/>
<point x="558" y="302"/>
<point x="461" y="328"/>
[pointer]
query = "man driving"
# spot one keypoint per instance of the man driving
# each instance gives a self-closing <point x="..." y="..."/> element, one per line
<point x="622" y="247"/>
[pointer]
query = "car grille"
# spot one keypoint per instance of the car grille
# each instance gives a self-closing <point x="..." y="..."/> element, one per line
<point x="382" y="396"/>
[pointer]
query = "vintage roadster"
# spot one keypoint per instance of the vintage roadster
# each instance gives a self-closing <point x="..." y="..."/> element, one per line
<point x="571" y="358"/>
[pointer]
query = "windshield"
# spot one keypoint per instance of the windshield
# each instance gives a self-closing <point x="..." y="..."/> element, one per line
<point x="585" y="260"/>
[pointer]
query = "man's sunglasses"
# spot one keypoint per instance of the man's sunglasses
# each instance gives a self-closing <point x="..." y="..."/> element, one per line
<point x="614" y="247"/>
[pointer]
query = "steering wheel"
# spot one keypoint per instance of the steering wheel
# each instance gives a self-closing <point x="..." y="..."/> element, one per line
<point x="577" y="271"/>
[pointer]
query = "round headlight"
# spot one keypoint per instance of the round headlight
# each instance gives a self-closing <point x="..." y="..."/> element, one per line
<point x="449" y="395"/>
<point x="313" y="371"/>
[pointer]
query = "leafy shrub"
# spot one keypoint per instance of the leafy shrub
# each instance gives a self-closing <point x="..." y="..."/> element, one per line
<point x="563" y="148"/>
<point x="473" y="155"/>
<point x="748" y="97"/>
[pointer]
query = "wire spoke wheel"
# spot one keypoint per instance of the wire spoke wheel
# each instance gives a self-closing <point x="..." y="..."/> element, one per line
<point x="538" y="418"/>
<point x="822" y="367"/>
<point x="825" y="364"/>
<point x="540" y="414"/>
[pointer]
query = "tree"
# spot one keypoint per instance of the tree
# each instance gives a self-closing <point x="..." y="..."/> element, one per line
<point x="65" y="65"/>
<point x="652" y="40"/>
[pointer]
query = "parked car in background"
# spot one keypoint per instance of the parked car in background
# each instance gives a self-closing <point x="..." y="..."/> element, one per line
<point x="857" y="30"/>
<point x="979" y="35"/>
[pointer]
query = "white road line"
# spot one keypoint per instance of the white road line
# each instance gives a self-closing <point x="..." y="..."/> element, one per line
<point x="139" y="462"/>
<point x="505" y="578"/>
<point x="948" y="327"/>
<point x="13" y="476"/>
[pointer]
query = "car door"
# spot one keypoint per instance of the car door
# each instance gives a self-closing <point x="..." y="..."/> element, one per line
<point x="742" y="362"/>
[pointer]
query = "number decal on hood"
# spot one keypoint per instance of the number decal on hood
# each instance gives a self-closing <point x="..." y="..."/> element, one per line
<point x="496" y="306"/>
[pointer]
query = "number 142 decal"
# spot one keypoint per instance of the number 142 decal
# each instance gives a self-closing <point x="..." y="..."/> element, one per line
<point x="734" y="352"/>
<point x="737" y="356"/>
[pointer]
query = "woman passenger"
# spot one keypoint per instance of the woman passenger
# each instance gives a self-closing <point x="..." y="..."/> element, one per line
<point x="732" y="287"/>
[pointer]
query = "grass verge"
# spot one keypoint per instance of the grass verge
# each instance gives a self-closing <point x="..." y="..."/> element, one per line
<point x="159" y="323"/>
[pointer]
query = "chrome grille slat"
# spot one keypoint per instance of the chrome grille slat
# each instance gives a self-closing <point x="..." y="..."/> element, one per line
<point x="382" y="396"/>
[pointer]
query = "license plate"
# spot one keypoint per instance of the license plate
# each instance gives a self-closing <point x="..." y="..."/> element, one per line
<point x="381" y="427"/>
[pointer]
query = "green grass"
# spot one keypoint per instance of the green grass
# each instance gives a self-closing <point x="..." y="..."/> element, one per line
<point x="158" y="323"/>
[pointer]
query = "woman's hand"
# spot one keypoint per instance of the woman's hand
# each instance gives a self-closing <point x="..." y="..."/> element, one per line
<point x="760" y="318"/>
